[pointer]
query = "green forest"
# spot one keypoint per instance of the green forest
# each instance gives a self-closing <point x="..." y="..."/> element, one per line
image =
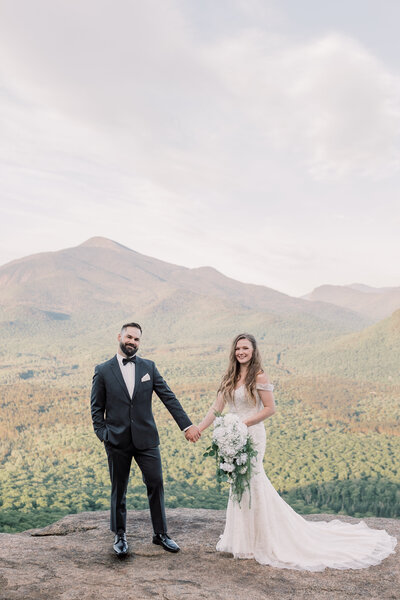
<point x="333" y="446"/>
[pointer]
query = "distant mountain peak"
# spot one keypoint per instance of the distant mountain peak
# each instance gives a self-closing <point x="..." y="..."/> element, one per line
<point x="366" y="289"/>
<point x="371" y="302"/>
<point x="102" y="242"/>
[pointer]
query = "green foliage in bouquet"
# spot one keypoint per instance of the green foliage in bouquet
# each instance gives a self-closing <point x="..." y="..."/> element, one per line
<point x="234" y="454"/>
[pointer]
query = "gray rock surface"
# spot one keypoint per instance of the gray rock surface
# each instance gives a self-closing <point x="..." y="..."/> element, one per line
<point x="73" y="559"/>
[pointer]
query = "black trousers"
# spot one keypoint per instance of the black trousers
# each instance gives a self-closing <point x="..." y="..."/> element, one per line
<point x="149" y="462"/>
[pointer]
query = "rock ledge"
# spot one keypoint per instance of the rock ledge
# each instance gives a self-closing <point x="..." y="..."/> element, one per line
<point x="73" y="560"/>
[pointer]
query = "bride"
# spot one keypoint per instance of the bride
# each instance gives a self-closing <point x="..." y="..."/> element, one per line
<point x="268" y="529"/>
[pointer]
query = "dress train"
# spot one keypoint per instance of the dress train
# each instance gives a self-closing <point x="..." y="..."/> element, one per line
<point x="272" y="533"/>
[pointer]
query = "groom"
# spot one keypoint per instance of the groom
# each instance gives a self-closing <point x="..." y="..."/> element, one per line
<point x="122" y="418"/>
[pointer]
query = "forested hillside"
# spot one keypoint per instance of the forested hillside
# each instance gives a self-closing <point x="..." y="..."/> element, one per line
<point x="369" y="355"/>
<point x="331" y="447"/>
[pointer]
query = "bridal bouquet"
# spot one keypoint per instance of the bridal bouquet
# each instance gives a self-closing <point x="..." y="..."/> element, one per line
<point x="233" y="449"/>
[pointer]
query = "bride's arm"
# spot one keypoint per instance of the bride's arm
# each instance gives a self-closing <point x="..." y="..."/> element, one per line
<point x="217" y="406"/>
<point x="267" y="398"/>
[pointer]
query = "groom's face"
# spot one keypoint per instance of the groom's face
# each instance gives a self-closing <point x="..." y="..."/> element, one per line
<point x="129" y="340"/>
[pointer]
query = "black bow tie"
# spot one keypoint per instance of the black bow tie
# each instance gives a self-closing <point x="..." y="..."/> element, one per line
<point x="127" y="360"/>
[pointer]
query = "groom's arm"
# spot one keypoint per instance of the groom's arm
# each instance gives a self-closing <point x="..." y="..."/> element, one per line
<point x="170" y="401"/>
<point x="98" y="404"/>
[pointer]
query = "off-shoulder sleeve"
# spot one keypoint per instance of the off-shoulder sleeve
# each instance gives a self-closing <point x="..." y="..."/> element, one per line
<point x="267" y="387"/>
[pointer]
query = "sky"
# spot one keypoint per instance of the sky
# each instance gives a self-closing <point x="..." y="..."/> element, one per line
<point x="259" y="137"/>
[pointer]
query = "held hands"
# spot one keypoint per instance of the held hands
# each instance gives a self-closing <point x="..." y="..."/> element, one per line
<point x="193" y="433"/>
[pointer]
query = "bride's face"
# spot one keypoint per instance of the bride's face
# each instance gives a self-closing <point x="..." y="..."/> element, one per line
<point x="244" y="351"/>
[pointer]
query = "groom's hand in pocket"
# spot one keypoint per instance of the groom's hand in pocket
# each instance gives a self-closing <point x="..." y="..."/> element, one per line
<point x="192" y="434"/>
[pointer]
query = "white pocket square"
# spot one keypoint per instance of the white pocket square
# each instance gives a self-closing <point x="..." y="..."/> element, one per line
<point x="145" y="377"/>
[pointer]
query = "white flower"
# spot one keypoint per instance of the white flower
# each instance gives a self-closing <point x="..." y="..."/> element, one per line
<point x="231" y="418"/>
<point x="228" y="467"/>
<point x="242" y="459"/>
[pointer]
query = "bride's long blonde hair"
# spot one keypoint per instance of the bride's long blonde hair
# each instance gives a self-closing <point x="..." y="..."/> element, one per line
<point x="231" y="376"/>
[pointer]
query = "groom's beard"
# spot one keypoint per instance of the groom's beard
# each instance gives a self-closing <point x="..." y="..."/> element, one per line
<point x="128" y="350"/>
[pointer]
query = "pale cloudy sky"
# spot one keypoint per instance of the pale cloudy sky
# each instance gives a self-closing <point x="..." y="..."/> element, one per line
<point x="260" y="137"/>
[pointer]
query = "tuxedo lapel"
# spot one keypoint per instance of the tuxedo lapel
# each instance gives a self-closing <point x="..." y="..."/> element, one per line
<point x="138" y="375"/>
<point x="117" y="372"/>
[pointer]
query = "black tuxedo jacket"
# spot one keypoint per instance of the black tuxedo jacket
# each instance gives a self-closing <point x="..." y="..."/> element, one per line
<point x="122" y="420"/>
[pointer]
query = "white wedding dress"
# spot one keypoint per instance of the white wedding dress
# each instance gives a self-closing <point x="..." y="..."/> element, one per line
<point x="272" y="533"/>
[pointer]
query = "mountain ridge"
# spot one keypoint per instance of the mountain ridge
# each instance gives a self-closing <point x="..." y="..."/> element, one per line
<point x="92" y="268"/>
<point x="373" y="303"/>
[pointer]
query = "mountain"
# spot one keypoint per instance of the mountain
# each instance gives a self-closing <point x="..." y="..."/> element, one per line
<point x="101" y="279"/>
<point x="370" y="302"/>
<point x="69" y="305"/>
<point x="105" y="274"/>
<point x="99" y="272"/>
<point x="369" y="355"/>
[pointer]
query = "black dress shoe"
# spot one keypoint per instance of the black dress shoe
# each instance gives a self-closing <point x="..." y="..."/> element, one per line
<point x="120" y="544"/>
<point x="162" y="539"/>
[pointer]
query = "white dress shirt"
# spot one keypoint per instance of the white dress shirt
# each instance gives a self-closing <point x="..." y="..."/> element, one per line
<point x="128" y="373"/>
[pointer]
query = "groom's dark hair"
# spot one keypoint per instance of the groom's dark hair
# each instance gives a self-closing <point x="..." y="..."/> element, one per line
<point x="131" y="325"/>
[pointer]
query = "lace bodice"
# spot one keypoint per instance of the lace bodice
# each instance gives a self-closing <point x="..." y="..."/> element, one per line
<point x="244" y="407"/>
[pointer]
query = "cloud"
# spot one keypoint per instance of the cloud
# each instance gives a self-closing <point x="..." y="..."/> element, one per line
<point x="204" y="135"/>
<point x="169" y="97"/>
<point x="328" y="100"/>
